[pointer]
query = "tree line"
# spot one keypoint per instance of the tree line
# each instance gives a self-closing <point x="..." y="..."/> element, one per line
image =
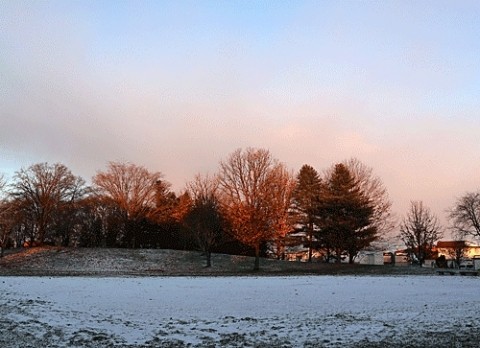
<point x="251" y="205"/>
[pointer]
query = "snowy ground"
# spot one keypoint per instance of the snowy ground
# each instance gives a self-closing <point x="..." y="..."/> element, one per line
<point x="305" y="311"/>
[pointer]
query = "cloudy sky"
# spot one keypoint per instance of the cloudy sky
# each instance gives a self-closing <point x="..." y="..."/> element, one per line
<point x="176" y="86"/>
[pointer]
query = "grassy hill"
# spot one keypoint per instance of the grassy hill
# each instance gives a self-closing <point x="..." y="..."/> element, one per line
<point x="54" y="261"/>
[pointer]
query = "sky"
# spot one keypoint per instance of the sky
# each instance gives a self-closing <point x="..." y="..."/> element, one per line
<point x="176" y="86"/>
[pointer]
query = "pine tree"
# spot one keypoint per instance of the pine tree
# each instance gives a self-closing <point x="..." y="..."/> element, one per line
<point x="305" y="202"/>
<point x="345" y="215"/>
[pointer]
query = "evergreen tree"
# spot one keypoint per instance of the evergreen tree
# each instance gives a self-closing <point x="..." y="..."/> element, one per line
<point x="305" y="202"/>
<point x="345" y="215"/>
<point x="373" y="188"/>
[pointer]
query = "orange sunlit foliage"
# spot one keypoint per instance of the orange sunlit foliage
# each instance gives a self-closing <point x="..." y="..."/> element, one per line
<point x="255" y="192"/>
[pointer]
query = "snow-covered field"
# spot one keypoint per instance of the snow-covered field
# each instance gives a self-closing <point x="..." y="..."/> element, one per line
<point x="305" y="311"/>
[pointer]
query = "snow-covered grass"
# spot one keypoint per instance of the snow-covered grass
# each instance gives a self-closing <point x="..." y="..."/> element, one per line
<point x="309" y="311"/>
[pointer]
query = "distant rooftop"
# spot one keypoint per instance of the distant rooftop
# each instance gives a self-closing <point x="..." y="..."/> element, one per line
<point x="456" y="244"/>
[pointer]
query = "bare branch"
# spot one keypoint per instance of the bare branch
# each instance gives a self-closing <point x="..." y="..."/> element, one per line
<point x="43" y="189"/>
<point x="372" y="186"/>
<point x="255" y="191"/>
<point x="465" y="215"/>
<point x="130" y="187"/>
<point x="420" y="230"/>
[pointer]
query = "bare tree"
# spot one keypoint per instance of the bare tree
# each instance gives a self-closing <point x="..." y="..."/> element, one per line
<point x="420" y="230"/>
<point x="204" y="218"/>
<point x="5" y="215"/>
<point x="458" y="250"/>
<point x="10" y="218"/>
<point x="4" y="227"/>
<point x="181" y="206"/>
<point x="44" y="189"/>
<point x="167" y="204"/>
<point x="133" y="189"/>
<point x="255" y="192"/>
<point x="3" y="184"/>
<point x="465" y="215"/>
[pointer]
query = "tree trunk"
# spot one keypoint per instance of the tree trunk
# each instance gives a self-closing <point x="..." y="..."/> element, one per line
<point x="256" y="267"/>
<point x="41" y="235"/>
<point x="310" y="237"/>
<point x="131" y="232"/>
<point x="209" y="258"/>
<point x="328" y="254"/>
<point x="66" y="240"/>
<point x="338" y="254"/>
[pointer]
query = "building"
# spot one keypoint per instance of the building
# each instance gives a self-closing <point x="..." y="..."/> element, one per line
<point x="465" y="249"/>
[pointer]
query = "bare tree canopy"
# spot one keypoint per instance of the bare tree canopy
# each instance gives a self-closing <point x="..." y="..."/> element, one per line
<point x="7" y="221"/>
<point x="43" y="189"/>
<point x="135" y="192"/>
<point x="203" y="187"/>
<point x="204" y="218"/>
<point x="465" y="215"/>
<point x="3" y="183"/>
<point x="420" y="230"/>
<point x="256" y="194"/>
<point x="132" y="188"/>
<point x="6" y="215"/>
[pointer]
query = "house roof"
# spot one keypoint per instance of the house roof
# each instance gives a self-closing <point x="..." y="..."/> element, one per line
<point x="452" y="244"/>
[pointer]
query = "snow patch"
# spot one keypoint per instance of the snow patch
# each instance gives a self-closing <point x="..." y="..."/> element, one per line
<point x="322" y="311"/>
